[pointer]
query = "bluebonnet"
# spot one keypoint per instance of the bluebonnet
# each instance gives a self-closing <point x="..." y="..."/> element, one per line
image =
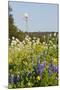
<point x="15" y="79"/>
<point x="11" y="78"/>
<point x="55" y="68"/>
<point x="18" y="78"/>
<point x="41" y="67"/>
<point x="50" y="72"/>
<point x="52" y="68"/>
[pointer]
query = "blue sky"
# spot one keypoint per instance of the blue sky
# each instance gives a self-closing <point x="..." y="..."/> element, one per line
<point x="42" y="17"/>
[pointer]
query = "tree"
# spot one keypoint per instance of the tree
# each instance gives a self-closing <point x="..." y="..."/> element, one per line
<point x="13" y="30"/>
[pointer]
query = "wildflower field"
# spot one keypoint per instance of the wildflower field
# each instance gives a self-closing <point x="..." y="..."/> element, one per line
<point x="33" y="63"/>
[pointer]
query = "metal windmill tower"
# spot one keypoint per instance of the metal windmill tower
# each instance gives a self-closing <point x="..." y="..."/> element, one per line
<point x="26" y="21"/>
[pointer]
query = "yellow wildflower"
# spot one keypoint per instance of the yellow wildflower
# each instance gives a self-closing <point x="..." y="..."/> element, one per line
<point x="38" y="77"/>
<point x="55" y="60"/>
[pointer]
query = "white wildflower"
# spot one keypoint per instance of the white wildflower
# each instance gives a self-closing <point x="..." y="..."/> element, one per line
<point x="38" y="41"/>
<point x="14" y="42"/>
<point x="44" y="43"/>
<point x="54" y="46"/>
<point x="33" y="41"/>
<point x="51" y="42"/>
<point x="27" y="36"/>
<point x="50" y="34"/>
<point x="13" y="38"/>
<point x="34" y="38"/>
<point x="54" y="34"/>
<point x="23" y="42"/>
<point x="17" y="40"/>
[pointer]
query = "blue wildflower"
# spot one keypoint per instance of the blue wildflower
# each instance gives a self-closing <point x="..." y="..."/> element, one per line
<point x="50" y="71"/>
<point x="55" y="68"/>
<point x="41" y="67"/>
<point x="11" y="78"/>
<point x="52" y="68"/>
<point x="15" y="79"/>
<point x="18" y="78"/>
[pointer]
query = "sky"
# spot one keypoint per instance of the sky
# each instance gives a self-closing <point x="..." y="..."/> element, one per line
<point x="41" y="17"/>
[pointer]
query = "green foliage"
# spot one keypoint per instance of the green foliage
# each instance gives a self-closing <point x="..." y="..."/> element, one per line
<point x="23" y="55"/>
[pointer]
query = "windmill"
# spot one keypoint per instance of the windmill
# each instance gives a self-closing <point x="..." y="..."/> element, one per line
<point x="26" y="16"/>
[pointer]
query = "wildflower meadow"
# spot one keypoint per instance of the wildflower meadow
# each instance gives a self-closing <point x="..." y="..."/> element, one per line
<point x="33" y="63"/>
